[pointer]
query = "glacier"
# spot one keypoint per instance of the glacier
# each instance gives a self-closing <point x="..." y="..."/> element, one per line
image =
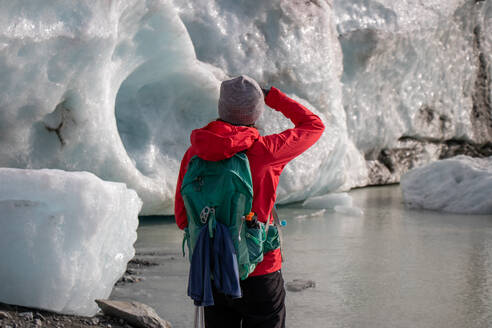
<point x="115" y="87"/>
<point x="460" y="185"/>
<point x="76" y="230"/>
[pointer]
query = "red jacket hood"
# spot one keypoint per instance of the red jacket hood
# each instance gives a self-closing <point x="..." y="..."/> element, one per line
<point x="220" y="140"/>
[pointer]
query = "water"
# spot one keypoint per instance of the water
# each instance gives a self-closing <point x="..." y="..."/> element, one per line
<point x="392" y="267"/>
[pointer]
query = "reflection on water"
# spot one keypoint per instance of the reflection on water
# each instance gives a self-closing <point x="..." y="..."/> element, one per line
<point x="392" y="267"/>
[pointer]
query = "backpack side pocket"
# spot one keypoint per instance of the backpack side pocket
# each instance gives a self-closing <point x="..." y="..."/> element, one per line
<point x="272" y="241"/>
<point x="255" y="238"/>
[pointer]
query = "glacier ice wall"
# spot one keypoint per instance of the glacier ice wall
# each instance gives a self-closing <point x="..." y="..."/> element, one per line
<point x="62" y="64"/>
<point x="78" y="236"/>
<point x="115" y="88"/>
<point x="411" y="70"/>
<point x="291" y="45"/>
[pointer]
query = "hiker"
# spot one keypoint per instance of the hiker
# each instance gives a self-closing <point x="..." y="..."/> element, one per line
<point x="240" y="105"/>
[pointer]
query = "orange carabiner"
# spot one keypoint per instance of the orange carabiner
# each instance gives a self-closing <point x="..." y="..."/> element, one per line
<point x="249" y="217"/>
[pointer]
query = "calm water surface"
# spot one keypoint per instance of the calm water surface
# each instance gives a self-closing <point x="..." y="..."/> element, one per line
<point x="392" y="267"/>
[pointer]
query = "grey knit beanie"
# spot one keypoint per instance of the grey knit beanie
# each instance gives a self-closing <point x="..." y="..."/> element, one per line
<point x="241" y="101"/>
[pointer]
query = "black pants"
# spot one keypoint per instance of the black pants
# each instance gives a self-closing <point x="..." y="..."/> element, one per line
<point x="262" y="305"/>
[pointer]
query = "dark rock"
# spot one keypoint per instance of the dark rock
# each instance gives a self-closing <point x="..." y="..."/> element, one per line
<point x="4" y="315"/>
<point x="298" y="284"/>
<point x="27" y="316"/>
<point x="379" y="174"/>
<point x="128" y="279"/>
<point x="454" y="147"/>
<point x="38" y="315"/>
<point x="135" y="313"/>
<point x="141" y="262"/>
<point x="131" y="275"/>
<point x="410" y="152"/>
<point x="131" y="271"/>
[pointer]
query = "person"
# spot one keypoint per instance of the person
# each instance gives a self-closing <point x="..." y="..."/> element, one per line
<point x="241" y="103"/>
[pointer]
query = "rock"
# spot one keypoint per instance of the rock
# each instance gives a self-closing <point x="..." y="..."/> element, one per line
<point x="4" y="315"/>
<point x="27" y="315"/>
<point x="135" y="313"/>
<point x="95" y="321"/>
<point x="389" y="164"/>
<point x="39" y="316"/>
<point x="38" y="322"/>
<point x="298" y="284"/>
<point x="137" y="262"/>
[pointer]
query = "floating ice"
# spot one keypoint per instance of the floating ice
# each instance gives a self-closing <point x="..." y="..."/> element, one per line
<point x="310" y="215"/>
<point x="349" y="210"/>
<point x="328" y="201"/>
<point x="65" y="238"/>
<point x="338" y="202"/>
<point x="460" y="184"/>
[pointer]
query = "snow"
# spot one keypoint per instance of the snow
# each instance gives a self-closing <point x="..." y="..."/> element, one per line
<point x="115" y="87"/>
<point x="460" y="184"/>
<point x="66" y="238"/>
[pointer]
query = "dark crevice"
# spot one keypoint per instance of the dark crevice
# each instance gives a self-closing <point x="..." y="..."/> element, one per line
<point x="453" y="147"/>
<point x="57" y="130"/>
<point x="385" y="158"/>
<point x="421" y="139"/>
<point x="63" y="115"/>
<point x="315" y="2"/>
<point x="481" y="115"/>
<point x="437" y="122"/>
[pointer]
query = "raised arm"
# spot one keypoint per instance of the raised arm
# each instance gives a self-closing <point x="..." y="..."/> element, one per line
<point x="290" y="143"/>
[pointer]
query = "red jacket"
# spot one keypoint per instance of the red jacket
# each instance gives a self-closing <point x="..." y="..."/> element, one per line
<point x="267" y="157"/>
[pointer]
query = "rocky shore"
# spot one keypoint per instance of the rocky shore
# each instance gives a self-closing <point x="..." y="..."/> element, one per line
<point x="117" y="315"/>
<point x="12" y="316"/>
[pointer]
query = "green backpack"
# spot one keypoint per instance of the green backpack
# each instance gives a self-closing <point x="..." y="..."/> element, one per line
<point x="223" y="191"/>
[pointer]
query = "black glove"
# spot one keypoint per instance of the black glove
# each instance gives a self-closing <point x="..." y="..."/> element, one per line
<point x="265" y="92"/>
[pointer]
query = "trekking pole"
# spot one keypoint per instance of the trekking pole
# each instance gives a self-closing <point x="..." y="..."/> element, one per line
<point x="199" y="317"/>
